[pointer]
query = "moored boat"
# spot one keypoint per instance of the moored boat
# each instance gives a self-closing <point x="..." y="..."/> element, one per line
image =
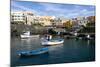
<point x="52" y="42"/>
<point x="27" y="35"/>
<point x="33" y="52"/>
<point x="31" y="36"/>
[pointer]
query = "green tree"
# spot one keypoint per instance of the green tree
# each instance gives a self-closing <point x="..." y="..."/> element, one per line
<point x="68" y="24"/>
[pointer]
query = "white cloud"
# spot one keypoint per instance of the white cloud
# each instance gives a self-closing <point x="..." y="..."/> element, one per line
<point x="56" y="10"/>
<point x="75" y="11"/>
<point x="23" y="8"/>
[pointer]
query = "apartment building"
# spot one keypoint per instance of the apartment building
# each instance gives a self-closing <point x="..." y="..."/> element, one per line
<point x="82" y="21"/>
<point x="45" y="20"/>
<point x="91" y="18"/>
<point x="22" y="17"/>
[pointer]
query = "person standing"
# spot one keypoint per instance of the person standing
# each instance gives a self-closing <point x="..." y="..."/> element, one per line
<point x="50" y="37"/>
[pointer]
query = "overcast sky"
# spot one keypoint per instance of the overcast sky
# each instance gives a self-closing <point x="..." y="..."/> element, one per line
<point x="51" y="9"/>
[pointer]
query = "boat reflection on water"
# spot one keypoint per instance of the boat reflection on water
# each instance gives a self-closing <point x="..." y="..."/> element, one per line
<point x="88" y="42"/>
<point x="56" y="51"/>
<point x="29" y="43"/>
<point x="28" y="40"/>
<point x="55" y="47"/>
<point x="25" y="40"/>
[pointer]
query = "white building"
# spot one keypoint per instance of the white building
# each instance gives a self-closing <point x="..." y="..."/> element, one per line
<point x="22" y="17"/>
<point x="43" y="20"/>
<point x="57" y="21"/>
<point x="82" y="21"/>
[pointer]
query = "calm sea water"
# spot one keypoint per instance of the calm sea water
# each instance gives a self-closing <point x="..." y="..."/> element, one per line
<point x="71" y="51"/>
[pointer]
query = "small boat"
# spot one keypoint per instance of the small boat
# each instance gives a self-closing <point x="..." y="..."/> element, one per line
<point x="53" y="42"/>
<point x="27" y="35"/>
<point x="86" y="37"/>
<point x="33" y="52"/>
<point x="31" y="36"/>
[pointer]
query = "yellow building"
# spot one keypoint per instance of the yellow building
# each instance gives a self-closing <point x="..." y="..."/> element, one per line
<point x="45" y="20"/>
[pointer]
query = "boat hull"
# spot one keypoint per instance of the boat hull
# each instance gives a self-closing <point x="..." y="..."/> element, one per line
<point x="31" y="36"/>
<point x="33" y="52"/>
<point x="25" y="55"/>
<point x="53" y="42"/>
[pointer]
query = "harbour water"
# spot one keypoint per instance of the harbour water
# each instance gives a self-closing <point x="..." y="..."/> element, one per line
<point x="70" y="51"/>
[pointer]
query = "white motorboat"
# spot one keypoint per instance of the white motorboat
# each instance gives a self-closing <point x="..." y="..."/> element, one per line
<point x="52" y="42"/>
<point x="27" y="35"/>
<point x="31" y="36"/>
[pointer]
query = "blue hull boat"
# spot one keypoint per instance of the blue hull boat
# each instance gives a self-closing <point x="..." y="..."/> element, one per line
<point x="34" y="52"/>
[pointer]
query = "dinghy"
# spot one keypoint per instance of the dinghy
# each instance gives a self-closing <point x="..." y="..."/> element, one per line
<point x="52" y="42"/>
<point x="27" y="35"/>
<point x="33" y="52"/>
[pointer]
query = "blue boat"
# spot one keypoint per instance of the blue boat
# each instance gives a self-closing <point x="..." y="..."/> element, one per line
<point x="34" y="52"/>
